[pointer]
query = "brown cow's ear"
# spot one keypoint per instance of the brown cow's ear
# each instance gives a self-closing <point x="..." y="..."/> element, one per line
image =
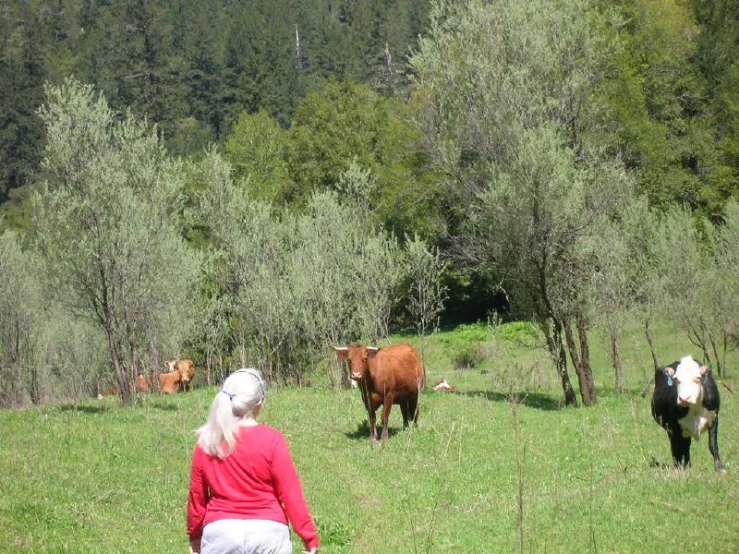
<point x="371" y="352"/>
<point x="341" y="352"/>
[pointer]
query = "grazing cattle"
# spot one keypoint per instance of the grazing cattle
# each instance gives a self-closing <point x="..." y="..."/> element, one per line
<point x="443" y="384"/>
<point x="386" y="376"/>
<point x="686" y="403"/>
<point x="187" y="371"/>
<point x="169" y="383"/>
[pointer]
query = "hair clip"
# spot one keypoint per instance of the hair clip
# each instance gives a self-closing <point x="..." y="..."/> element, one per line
<point x="230" y="396"/>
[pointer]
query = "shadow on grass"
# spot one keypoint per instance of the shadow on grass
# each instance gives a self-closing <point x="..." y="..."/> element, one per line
<point x="164" y="406"/>
<point x="363" y="432"/>
<point x="654" y="463"/>
<point x="530" y="399"/>
<point x="83" y="408"/>
<point x="89" y="409"/>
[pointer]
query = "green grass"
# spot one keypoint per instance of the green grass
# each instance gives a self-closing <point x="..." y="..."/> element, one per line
<point x="498" y="467"/>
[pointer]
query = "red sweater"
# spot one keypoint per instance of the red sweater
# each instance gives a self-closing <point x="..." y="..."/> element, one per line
<point x="257" y="481"/>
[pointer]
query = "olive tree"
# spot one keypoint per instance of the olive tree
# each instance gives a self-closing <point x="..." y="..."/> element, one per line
<point x="346" y="275"/>
<point x="699" y="265"/>
<point x="507" y="93"/>
<point x="21" y="324"/>
<point x="297" y="283"/>
<point x="247" y="265"/>
<point x="108" y="225"/>
<point x="427" y="290"/>
<point x="726" y="298"/>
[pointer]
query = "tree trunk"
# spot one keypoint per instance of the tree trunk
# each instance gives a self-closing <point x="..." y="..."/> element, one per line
<point x="650" y="341"/>
<point x="584" y="374"/>
<point x="17" y="371"/>
<point x="587" y="369"/>
<point x="616" y="357"/>
<point x="553" y="333"/>
<point x="716" y="357"/>
<point x="119" y="367"/>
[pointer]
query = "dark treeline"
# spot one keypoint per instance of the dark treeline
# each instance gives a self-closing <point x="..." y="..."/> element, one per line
<point x="436" y="162"/>
<point x="192" y="66"/>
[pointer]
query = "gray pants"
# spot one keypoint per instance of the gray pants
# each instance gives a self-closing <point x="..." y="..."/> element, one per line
<point x="246" y="536"/>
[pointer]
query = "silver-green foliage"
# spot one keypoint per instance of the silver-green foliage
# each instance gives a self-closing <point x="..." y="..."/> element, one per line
<point x="508" y="88"/>
<point x="108" y="223"/>
<point x="672" y="267"/>
<point x="248" y="264"/>
<point x="297" y="284"/>
<point x="45" y="354"/>
<point x="427" y="291"/>
<point x="508" y="99"/>
<point x="488" y="73"/>
<point x="21" y="323"/>
<point x="698" y="265"/>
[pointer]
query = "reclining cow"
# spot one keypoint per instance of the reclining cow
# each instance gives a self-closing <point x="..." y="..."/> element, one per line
<point x="686" y="403"/>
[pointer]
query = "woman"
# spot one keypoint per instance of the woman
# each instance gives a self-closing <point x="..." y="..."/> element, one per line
<point x="244" y="487"/>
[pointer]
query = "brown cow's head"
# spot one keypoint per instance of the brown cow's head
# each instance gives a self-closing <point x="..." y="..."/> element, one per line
<point x="187" y="370"/>
<point x="358" y="357"/>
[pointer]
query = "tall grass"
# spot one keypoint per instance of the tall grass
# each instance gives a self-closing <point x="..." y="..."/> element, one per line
<point x="500" y="466"/>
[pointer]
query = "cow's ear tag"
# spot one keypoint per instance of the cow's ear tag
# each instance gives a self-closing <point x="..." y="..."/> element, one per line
<point x="669" y="380"/>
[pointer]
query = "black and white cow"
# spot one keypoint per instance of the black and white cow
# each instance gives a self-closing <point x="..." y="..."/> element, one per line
<point x="686" y="403"/>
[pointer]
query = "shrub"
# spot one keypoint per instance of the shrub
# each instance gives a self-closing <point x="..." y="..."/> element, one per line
<point x="520" y="333"/>
<point x="468" y="357"/>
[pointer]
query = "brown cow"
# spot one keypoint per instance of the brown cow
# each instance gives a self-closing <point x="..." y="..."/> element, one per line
<point x="169" y="383"/>
<point x="187" y="372"/>
<point x="386" y="376"/>
<point x="143" y="384"/>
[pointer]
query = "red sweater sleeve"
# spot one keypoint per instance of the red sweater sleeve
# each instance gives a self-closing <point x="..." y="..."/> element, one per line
<point x="198" y="497"/>
<point x="290" y="493"/>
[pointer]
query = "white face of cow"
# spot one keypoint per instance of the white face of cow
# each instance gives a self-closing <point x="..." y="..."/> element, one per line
<point x="689" y="375"/>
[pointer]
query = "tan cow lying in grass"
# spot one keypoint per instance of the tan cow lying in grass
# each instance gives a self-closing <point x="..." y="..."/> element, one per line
<point x="443" y="384"/>
<point x="140" y="385"/>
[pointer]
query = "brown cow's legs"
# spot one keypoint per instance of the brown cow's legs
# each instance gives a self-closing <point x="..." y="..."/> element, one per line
<point x="373" y="424"/>
<point x="413" y="410"/>
<point x="371" y="411"/>
<point x="386" y="406"/>
<point x="404" y="409"/>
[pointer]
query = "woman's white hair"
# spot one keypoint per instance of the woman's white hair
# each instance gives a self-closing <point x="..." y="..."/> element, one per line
<point x="242" y="392"/>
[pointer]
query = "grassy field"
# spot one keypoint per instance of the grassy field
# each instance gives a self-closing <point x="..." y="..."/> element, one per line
<point x="500" y="466"/>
